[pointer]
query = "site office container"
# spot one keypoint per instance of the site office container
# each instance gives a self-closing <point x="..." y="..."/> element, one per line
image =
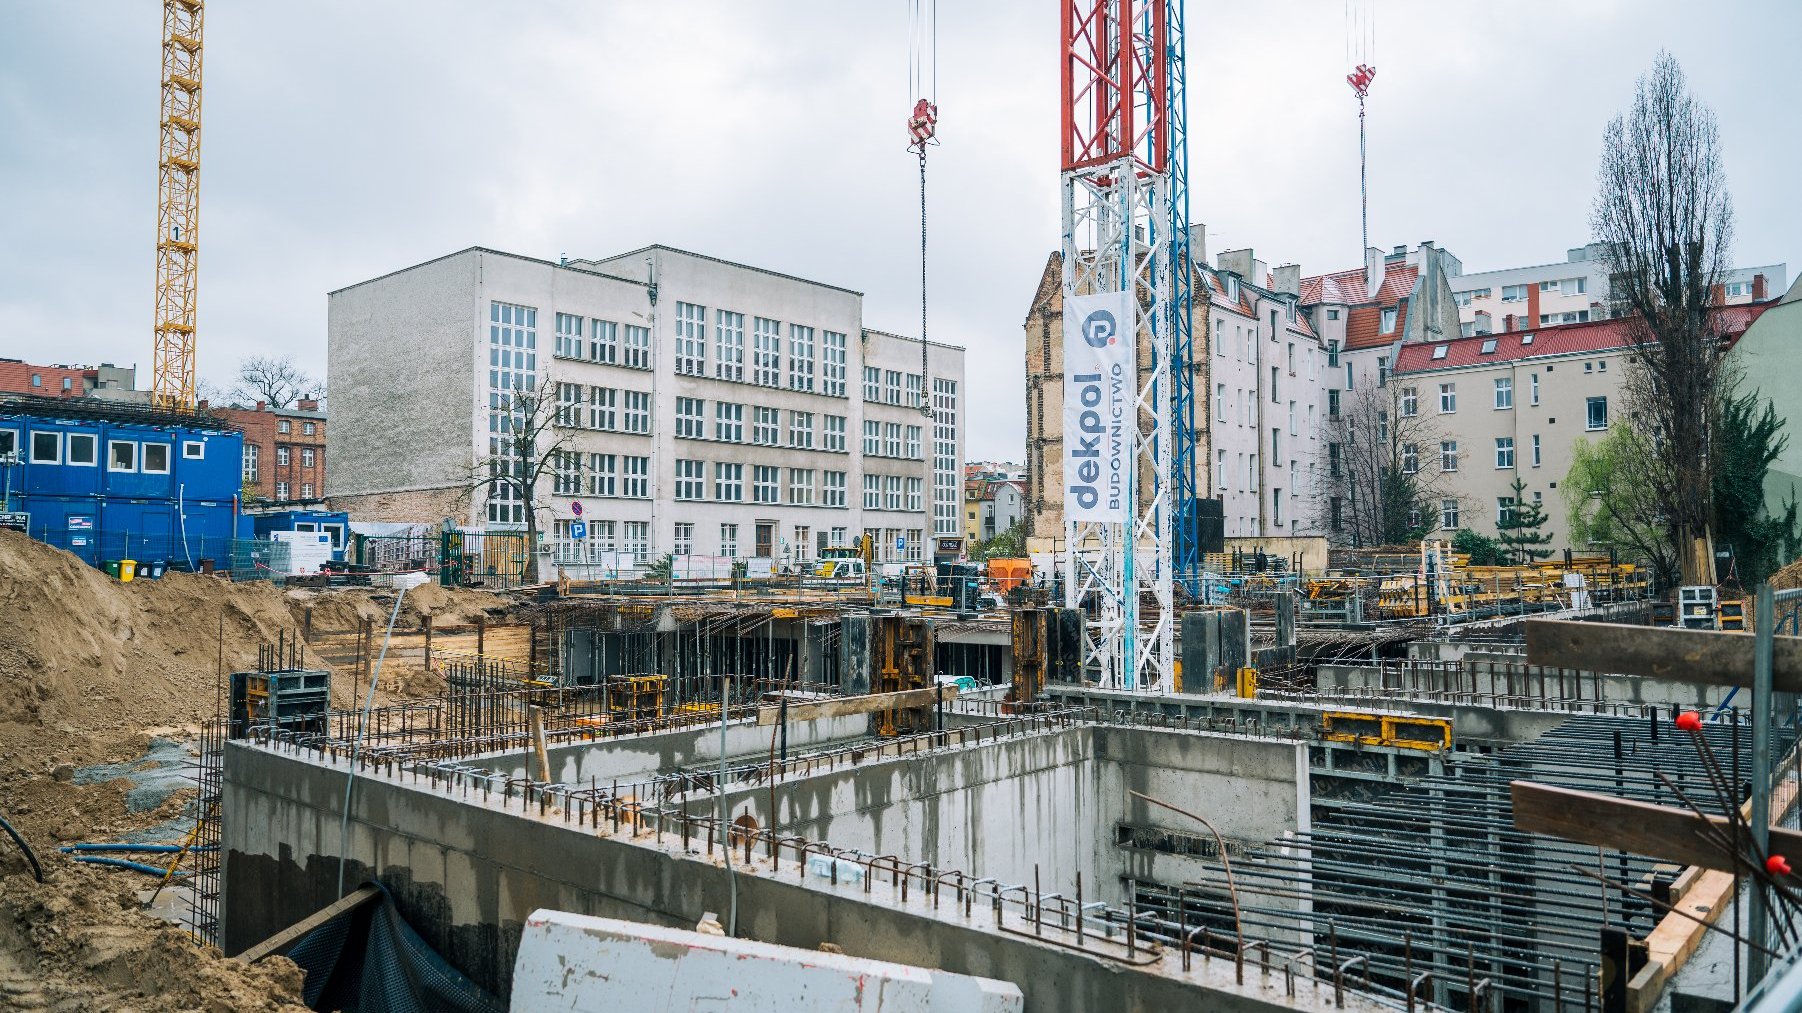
<point x="107" y="489"/>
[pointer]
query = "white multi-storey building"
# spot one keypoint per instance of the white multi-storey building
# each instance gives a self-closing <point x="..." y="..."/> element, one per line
<point x="705" y="407"/>
<point x="1573" y="292"/>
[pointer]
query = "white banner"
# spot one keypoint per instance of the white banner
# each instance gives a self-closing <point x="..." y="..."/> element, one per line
<point x="1100" y="384"/>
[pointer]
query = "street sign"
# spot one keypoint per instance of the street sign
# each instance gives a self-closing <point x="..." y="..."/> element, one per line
<point x="901" y="544"/>
<point x="578" y="529"/>
<point x="18" y="520"/>
<point x="575" y="507"/>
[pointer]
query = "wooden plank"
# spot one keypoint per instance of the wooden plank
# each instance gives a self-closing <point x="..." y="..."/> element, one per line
<point x="295" y="932"/>
<point x="848" y="705"/>
<point x="1663" y="832"/>
<point x="1660" y="652"/>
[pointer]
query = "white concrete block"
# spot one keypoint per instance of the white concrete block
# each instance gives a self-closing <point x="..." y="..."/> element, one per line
<point x="575" y="962"/>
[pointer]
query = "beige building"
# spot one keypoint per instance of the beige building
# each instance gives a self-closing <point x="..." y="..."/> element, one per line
<point x="1513" y="405"/>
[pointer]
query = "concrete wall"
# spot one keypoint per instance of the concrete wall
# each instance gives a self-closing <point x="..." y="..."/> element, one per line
<point x="467" y="875"/>
<point x="639" y="757"/>
<point x="1486" y="676"/>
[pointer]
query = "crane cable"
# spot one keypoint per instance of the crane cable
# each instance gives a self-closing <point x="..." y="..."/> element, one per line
<point x="922" y="129"/>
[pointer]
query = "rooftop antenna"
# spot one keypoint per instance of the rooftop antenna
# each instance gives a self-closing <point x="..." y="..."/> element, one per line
<point x="1360" y="45"/>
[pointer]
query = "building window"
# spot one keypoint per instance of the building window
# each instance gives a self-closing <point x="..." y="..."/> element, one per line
<point x="1389" y="314"/>
<point x="913" y="390"/>
<point x="1410" y="458"/>
<point x="891" y="386"/>
<point x="1535" y="450"/>
<point x="636" y="480"/>
<point x="568" y="343"/>
<point x="691" y="339"/>
<point x="872" y="437"/>
<point x="800" y="546"/>
<point x="800" y="486"/>
<point x="82" y="449"/>
<point x="1410" y="402"/>
<point x="603" y="474"/>
<point x="729" y="422"/>
<point x="1504" y="392"/>
<point x="766" y="426"/>
<point x="728" y="345"/>
<point x="1504" y="451"/>
<point x="638" y="540"/>
<point x="1504" y="509"/>
<point x="603" y="409"/>
<point x="251" y="452"/>
<point x="690" y="413"/>
<point x="306" y="490"/>
<point x="891" y="439"/>
<point x="281" y="457"/>
<point x="766" y="352"/>
<point x="1448" y="455"/>
<point x="638" y="347"/>
<point x="912" y="450"/>
<point x="834" y="439"/>
<point x="915" y="494"/>
<point x="872" y="492"/>
<point x="728" y="482"/>
<point x="604" y="343"/>
<point x="1514" y="293"/>
<point x="1597" y="417"/>
<point x="1533" y="387"/>
<point x="766" y="483"/>
<point x="872" y="384"/>
<point x="638" y="411"/>
<point x="47" y="448"/>
<point x="122" y="455"/>
<point x="832" y="491"/>
<point x="800" y="430"/>
<point x="308" y="429"/>
<point x="1332" y="353"/>
<point x="281" y="490"/>
<point x="1448" y="398"/>
<point x="832" y="364"/>
<point x="691" y="483"/>
<point x="1276" y="506"/>
<point x="685" y="538"/>
<point x="891" y="497"/>
<point x="800" y="357"/>
<point x="1332" y="403"/>
<point x="283" y="426"/>
<point x="569" y="405"/>
<point x="1448" y="514"/>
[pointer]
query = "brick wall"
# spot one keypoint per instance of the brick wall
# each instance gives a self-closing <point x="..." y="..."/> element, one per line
<point x="296" y="434"/>
<point x="411" y="506"/>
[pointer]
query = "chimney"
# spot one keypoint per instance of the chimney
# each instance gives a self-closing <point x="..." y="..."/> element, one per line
<point x="1198" y="243"/>
<point x="1507" y="323"/>
<point x="1717" y="296"/>
<point x="1484" y="323"/>
<point x="1373" y="272"/>
<point x="1287" y="278"/>
<point x="1758" y="288"/>
<point x="307" y="404"/>
<point x="262" y="406"/>
<point x="1240" y="263"/>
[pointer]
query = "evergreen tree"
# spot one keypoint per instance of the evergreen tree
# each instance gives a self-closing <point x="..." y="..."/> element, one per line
<point x="1747" y="441"/>
<point x="1482" y="550"/>
<point x="1518" y="528"/>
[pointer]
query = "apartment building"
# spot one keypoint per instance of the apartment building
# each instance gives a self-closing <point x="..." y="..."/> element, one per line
<point x="1575" y="291"/>
<point x="706" y="407"/>
<point x="991" y="506"/>
<point x="1513" y="405"/>
<point x="1260" y="374"/>
<point x="284" y="450"/>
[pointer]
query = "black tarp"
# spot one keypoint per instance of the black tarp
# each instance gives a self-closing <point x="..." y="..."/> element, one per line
<point x="369" y="960"/>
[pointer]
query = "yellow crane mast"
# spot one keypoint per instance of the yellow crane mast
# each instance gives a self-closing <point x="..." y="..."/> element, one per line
<point x="178" y="206"/>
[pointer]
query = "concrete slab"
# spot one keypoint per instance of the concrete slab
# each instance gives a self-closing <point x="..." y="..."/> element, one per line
<point x="576" y="962"/>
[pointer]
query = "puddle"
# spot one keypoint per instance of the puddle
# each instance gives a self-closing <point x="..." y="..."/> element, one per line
<point x="163" y="769"/>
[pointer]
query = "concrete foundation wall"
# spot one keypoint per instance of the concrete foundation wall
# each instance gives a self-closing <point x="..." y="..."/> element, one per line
<point x="639" y="757"/>
<point x="467" y="874"/>
<point x="1493" y="675"/>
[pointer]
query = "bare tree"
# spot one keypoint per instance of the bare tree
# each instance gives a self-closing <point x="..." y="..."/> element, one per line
<point x="1663" y="212"/>
<point x="1383" y="482"/>
<point x="526" y="447"/>
<point x="277" y="381"/>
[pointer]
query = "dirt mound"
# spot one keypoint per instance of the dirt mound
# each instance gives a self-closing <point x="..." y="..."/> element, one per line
<point x="79" y="941"/>
<point x="84" y="654"/>
<point x="346" y="608"/>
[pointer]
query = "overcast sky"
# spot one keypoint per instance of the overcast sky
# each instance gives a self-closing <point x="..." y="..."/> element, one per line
<point x="347" y="139"/>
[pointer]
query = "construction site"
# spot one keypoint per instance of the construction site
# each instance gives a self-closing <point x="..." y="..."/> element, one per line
<point x="1158" y="742"/>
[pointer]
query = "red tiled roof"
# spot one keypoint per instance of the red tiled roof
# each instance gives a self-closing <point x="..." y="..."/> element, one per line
<point x="1363" y="327"/>
<point x="1243" y="306"/>
<point x="1563" y="339"/>
<point x="1347" y="287"/>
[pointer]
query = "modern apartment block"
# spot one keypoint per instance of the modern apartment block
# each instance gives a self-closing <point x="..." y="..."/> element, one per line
<point x="709" y="408"/>
<point x="1513" y="405"/>
<point x="1575" y="291"/>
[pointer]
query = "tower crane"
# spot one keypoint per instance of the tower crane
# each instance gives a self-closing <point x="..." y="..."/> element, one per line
<point x="178" y="206"/>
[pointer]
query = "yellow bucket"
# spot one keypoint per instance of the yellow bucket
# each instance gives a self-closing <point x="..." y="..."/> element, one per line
<point x="128" y="568"/>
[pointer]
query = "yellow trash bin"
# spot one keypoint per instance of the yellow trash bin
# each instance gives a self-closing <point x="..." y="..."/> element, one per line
<point x="128" y="568"/>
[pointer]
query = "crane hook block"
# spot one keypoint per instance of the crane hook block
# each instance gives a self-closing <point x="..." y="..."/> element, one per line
<point x="922" y="124"/>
